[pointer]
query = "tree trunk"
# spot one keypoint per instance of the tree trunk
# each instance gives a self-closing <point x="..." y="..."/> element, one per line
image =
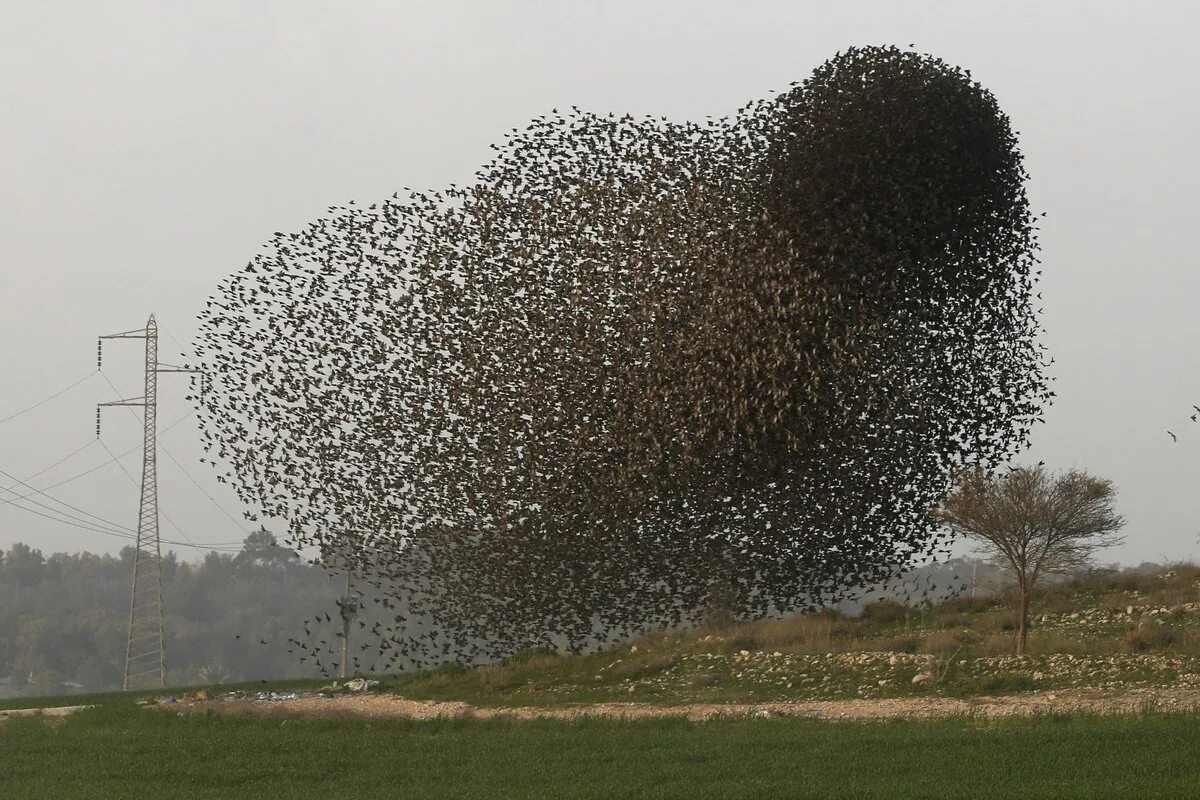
<point x="1022" y="617"/>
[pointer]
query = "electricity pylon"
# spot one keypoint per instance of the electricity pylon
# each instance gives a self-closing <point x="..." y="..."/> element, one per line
<point x="145" y="656"/>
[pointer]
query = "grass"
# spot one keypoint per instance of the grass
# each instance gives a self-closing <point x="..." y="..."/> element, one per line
<point x="119" y="751"/>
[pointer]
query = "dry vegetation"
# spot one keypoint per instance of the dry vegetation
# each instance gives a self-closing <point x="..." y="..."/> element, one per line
<point x="1120" y="631"/>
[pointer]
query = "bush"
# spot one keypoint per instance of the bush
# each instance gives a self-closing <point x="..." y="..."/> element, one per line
<point x="997" y="644"/>
<point x="903" y="644"/>
<point x="883" y="611"/>
<point x="941" y="643"/>
<point x="532" y="654"/>
<point x="1145" y="637"/>
<point x="1136" y="582"/>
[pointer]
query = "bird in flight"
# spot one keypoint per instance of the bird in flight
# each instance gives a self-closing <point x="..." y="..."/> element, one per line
<point x="1174" y="438"/>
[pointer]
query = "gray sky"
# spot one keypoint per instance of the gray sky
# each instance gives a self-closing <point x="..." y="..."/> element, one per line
<point x="147" y="149"/>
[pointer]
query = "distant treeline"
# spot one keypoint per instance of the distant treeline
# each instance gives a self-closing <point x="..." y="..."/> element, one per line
<point x="63" y="617"/>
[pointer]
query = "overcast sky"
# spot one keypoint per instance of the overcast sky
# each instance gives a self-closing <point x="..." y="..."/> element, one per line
<point x="147" y="149"/>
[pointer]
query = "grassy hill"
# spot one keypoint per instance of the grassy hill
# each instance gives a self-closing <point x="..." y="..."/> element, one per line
<point x="1125" y="630"/>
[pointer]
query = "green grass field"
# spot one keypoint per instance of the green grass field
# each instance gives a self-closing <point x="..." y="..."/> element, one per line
<point x="119" y="751"/>
<point x="1111" y="633"/>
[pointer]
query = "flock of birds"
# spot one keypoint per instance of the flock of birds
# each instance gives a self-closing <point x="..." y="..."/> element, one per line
<point x="639" y="370"/>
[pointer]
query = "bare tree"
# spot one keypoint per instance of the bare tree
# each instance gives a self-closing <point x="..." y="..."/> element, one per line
<point x="1034" y="522"/>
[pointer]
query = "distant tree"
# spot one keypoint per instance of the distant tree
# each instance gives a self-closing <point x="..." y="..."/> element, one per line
<point x="261" y="549"/>
<point x="1034" y="522"/>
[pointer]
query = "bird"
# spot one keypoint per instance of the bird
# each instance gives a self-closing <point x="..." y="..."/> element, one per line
<point x="1174" y="438"/>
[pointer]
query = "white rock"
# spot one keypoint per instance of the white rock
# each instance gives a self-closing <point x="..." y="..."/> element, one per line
<point x="922" y="677"/>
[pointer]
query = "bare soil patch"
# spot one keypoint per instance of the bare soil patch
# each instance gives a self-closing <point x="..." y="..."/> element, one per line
<point x="53" y="711"/>
<point x="380" y="706"/>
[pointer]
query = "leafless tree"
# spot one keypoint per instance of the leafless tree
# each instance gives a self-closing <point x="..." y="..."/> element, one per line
<point x="1034" y="522"/>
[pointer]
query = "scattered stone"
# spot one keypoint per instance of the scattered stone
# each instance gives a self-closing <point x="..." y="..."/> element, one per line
<point x="922" y="677"/>
<point x="360" y="684"/>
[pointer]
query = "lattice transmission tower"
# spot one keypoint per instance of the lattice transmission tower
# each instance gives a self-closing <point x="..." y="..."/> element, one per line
<point x="145" y="656"/>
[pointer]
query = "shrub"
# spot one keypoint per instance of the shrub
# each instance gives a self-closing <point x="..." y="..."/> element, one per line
<point x="947" y="621"/>
<point x="538" y="654"/>
<point x="1144" y="637"/>
<point x="1135" y="582"/>
<point x="996" y="622"/>
<point x="903" y="644"/>
<point x="819" y="632"/>
<point x="883" y="611"/>
<point x="941" y="643"/>
<point x="996" y="644"/>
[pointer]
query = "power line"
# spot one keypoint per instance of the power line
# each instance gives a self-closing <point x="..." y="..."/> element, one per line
<point x="87" y="472"/>
<point x="196" y="483"/>
<point x="112" y="529"/>
<point x="173" y="339"/>
<point x="76" y="525"/>
<point x="72" y="454"/>
<point x="171" y="522"/>
<point x="118" y="534"/>
<point x="41" y="403"/>
<point x="99" y="519"/>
